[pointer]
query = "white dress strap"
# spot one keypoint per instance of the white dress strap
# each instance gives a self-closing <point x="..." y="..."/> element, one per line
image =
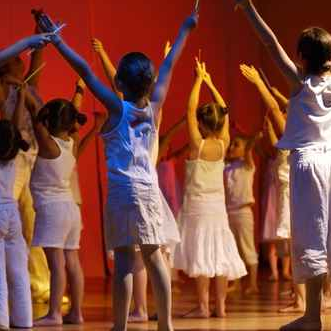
<point x="202" y="143"/>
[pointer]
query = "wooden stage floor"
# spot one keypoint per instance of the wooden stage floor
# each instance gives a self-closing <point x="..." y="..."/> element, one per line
<point x="258" y="312"/>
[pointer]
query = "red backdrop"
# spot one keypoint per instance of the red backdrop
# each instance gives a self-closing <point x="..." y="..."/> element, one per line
<point x="224" y="37"/>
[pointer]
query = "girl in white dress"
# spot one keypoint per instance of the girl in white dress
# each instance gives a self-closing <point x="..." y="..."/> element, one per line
<point x="133" y="204"/>
<point x="208" y="248"/>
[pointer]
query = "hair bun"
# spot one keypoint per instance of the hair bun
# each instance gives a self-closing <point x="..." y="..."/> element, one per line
<point x="81" y="118"/>
<point x="23" y="145"/>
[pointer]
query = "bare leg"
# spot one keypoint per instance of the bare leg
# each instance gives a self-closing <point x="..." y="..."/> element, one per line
<point x="140" y="280"/>
<point x="273" y="262"/>
<point x="202" y="311"/>
<point x="286" y="261"/>
<point x="160" y="278"/>
<point x="312" y="317"/>
<point x="221" y="292"/>
<point x="56" y="264"/>
<point x="253" y="288"/>
<point x="76" y="287"/>
<point x="299" y="302"/>
<point x="122" y="286"/>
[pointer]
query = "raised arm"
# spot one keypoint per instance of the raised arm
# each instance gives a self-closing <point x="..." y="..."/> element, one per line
<point x="161" y="88"/>
<point x="276" y="115"/>
<point x="249" y="159"/>
<point x="108" y="67"/>
<point x="192" y="120"/>
<point x="280" y="97"/>
<point x="212" y="88"/>
<point x="77" y="98"/>
<point x="109" y="99"/>
<point x="34" y="41"/>
<point x="17" y="118"/>
<point x="268" y="38"/>
<point x="47" y="147"/>
<point x="269" y="132"/>
<point x="99" y="120"/>
<point x="166" y="138"/>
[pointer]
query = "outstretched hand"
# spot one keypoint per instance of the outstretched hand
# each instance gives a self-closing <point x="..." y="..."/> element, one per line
<point x="39" y="40"/>
<point x="200" y="69"/>
<point x="97" y="45"/>
<point x="250" y="73"/>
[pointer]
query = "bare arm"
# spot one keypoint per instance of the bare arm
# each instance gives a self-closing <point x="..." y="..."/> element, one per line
<point x="270" y="132"/>
<point x="215" y="93"/>
<point x="168" y="136"/>
<point x="109" y="99"/>
<point x="192" y="121"/>
<point x="276" y="115"/>
<point x="108" y="67"/>
<point x="268" y="38"/>
<point x="36" y="41"/>
<point x="280" y="97"/>
<point x="99" y="120"/>
<point x="47" y="146"/>
<point x="77" y="98"/>
<point x="165" y="72"/>
<point x="19" y="108"/>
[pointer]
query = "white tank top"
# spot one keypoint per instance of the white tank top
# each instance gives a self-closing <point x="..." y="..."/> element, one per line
<point x="204" y="179"/>
<point x="51" y="178"/>
<point x="7" y="180"/>
<point x="309" y="120"/>
<point x="129" y="146"/>
<point x="239" y="180"/>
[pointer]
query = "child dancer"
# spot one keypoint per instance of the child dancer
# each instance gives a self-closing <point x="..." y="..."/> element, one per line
<point x="277" y="220"/>
<point x="140" y="280"/>
<point x="307" y="136"/>
<point x="134" y="206"/>
<point x="208" y="248"/>
<point x="239" y="179"/>
<point x="15" y="294"/>
<point x="14" y="277"/>
<point x="58" y="220"/>
<point x="12" y="74"/>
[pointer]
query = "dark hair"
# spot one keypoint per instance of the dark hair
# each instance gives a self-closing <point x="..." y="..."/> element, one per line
<point x="10" y="141"/>
<point x="314" y="46"/>
<point x="136" y="72"/>
<point x="60" y="115"/>
<point x="212" y="116"/>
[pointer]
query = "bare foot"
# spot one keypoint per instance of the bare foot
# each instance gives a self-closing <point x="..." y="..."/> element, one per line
<point x="220" y="313"/>
<point x="252" y="290"/>
<point x="303" y="324"/>
<point x="233" y="288"/>
<point x="73" y="319"/>
<point x="137" y="318"/>
<point x="2" y="327"/>
<point x="292" y="309"/>
<point x="197" y="313"/>
<point x="48" y="321"/>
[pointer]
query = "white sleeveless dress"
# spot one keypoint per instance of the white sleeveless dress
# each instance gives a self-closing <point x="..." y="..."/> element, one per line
<point x="208" y="247"/>
<point x="134" y="210"/>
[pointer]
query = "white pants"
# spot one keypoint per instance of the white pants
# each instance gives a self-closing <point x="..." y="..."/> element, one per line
<point x="310" y="198"/>
<point x="242" y="226"/>
<point x="14" y="276"/>
<point x="38" y="267"/>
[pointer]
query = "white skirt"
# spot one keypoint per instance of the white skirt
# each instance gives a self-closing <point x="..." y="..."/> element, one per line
<point x="208" y="247"/>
